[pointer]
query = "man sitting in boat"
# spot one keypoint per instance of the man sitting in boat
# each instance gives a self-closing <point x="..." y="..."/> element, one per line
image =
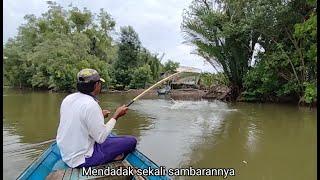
<point x="82" y="137"/>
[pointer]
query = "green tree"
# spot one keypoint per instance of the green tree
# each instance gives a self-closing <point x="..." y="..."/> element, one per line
<point x="170" y="66"/>
<point x="101" y="44"/>
<point x="129" y="48"/>
<point x="16" y="67"/>
<point x="226" y="35"/>
<point x="107" y="23"/>
<point x="288" y="65"/>
<point x="206" y="79"/>
<point x="222" y="36"/>
<point x="145" y="57"/>
<point x="80" y="20"/>
<point x="48" y="51"/>
<point x="141" y="76"/>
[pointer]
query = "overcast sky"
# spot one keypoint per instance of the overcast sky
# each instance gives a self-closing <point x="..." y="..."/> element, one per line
<point x="156" y="21"/>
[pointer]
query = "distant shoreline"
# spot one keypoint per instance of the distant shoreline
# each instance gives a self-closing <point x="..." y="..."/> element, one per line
<point x="175" y="94"/>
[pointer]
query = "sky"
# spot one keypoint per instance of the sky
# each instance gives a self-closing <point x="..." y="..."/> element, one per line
<point x="156" y="21"/>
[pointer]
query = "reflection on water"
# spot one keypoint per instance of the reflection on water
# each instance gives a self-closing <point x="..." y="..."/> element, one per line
<point x="261" y="141"/>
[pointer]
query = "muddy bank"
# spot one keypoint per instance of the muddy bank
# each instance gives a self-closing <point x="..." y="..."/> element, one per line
<point x="176" y="94"/>
<point x="218" y="93"/>
<point x="222" y="93"/>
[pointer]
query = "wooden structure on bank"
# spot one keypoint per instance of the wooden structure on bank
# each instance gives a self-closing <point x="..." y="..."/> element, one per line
<point x="188" y="80"/>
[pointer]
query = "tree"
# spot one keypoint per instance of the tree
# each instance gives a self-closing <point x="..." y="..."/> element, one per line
<point x="141" y="76"/>
<point x="101" y="44"/>
<point x="107" y="23"/>
<point x="288" y="65"/>
<point x="16" y="69"/>
<point x="222" y="36"/>
<point x="80" y="20"/>
<point x="145" y="57"/>
<point x="226" y="35"/>
<point x="48" y="51"/>
<point x="170" y="66"/>
<point x="129" y="47"/>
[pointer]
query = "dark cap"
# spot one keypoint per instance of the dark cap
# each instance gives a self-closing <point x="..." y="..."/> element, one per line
<point x="88" y="75"/>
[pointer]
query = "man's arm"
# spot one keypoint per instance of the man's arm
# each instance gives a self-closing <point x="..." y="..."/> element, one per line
<point x="95" y="122"/>
<point x="105" y="113"/>
<point x="122" y="110"/>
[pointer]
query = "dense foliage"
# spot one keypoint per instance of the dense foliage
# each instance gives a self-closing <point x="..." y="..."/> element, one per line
<point x="225" y="33"/>
<point x="170" y="66"/>
<point x="207" y="80"/>
<point x="49" y="50"/>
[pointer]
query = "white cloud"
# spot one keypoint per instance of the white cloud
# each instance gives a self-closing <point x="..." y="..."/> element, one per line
<point x="157" y="23"/>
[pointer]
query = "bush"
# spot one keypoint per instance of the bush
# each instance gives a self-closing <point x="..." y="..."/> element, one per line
<point x="310" y="93"/>
<point x="141" y="76"/>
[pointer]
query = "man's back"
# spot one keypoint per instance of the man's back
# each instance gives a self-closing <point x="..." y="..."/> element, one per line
<point x="73" y="137"/>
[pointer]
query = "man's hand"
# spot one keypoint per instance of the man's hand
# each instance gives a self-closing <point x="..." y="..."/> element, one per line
<point x="122" y="110"/>
<point x="105" y="113"/>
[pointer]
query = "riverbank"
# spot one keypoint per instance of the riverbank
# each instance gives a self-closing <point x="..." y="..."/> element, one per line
<point x="220" y="93"/>
<point x="176" y="94"/>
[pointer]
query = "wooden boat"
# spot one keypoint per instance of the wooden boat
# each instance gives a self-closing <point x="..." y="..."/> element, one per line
<point x="49" y="165"/>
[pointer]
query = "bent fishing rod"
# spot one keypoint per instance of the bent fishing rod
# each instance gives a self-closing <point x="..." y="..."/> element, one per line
<point x="156" y="84"/>
<point x="137" y="97"/>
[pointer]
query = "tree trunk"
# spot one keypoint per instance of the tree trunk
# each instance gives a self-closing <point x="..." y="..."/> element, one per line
<point x="235" y="91"/>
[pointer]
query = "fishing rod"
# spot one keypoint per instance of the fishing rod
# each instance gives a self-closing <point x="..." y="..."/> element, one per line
<point x="153" y="86"/>
<point x="180" y="70"/>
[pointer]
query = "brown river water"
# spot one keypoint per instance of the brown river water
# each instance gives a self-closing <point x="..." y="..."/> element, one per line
<point x="259" y="141"/>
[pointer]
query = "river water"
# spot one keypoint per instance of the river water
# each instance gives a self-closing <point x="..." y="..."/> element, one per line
<point x="260" y="141"/>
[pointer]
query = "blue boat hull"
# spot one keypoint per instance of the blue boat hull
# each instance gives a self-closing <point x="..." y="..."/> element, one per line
<point x="50" y="160"/>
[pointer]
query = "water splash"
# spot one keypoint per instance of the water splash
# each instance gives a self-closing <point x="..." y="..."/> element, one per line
<point x="180" y="125"/>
